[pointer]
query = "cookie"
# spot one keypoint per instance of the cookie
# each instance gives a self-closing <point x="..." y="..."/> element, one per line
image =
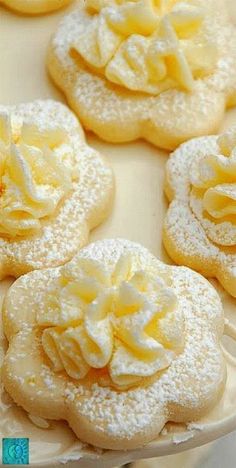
<point x="35" y="7"/>
<point x="200" y="226"/>
<point x="54" y="188"/>
<point x="133" y="70"/>
<point x="114" y="332"/>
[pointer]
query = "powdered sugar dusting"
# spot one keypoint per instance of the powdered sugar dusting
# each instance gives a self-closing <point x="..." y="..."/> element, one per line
<point x="190" y="378"/>
<point x="81" y="210"/>
<point x="184" y="390"/>
<point x="187" y="235"/>
<point x="117" y="114"/>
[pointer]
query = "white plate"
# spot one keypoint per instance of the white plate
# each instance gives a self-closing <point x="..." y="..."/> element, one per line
<point x="138" y="215"/>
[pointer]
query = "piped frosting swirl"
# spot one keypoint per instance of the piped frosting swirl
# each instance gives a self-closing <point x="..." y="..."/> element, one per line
<point x="120" y="322"/>
<point x="36" y="172"/>
<point x="213" y="192"/>
<point x="146" y="45"/>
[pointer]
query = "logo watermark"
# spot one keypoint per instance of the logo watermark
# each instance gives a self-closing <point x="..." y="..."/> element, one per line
<point x="15" y="451"/>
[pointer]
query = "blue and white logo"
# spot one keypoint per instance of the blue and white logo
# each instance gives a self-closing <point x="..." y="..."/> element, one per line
<point x="15" y="451"/>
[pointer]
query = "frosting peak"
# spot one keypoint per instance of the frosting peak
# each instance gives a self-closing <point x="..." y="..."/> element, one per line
<point x="213" y="180"/>
<point x="35" y="174"/>
<point x="146" y="45"/>
<point x="121" y="322"/>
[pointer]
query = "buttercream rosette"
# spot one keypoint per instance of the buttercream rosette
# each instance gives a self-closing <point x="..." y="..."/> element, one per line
<point x="163" y="70"/>
<point x="200" y="226"/>
<point x="54" y="188"/>
<point x="114" y="332"/>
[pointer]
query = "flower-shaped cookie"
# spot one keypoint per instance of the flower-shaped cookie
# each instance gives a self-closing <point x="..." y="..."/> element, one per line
<point x="35" y="7"/>
<point x="163" y="71"/>
<point x="114" y="332"/>
<point x="54" y="188"/>
<point x="200" y="226"/>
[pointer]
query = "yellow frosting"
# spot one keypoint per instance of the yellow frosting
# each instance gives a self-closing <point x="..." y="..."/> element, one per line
<point x="122" y="321"/>
<point x="35" y="174"/>
<point x="146" y="45"/>
<point x="213" y="180"/>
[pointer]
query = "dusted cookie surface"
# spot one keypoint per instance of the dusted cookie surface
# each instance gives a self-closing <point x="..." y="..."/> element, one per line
<point x="54" y="187"/>
<point x="200" y="226"/>
<point x="34" y="7"/>
<point x="163" y="71"/>
<point x="114" y="332"/>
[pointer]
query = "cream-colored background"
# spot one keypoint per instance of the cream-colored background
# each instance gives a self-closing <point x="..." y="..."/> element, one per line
<point x="139" y="206"/>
